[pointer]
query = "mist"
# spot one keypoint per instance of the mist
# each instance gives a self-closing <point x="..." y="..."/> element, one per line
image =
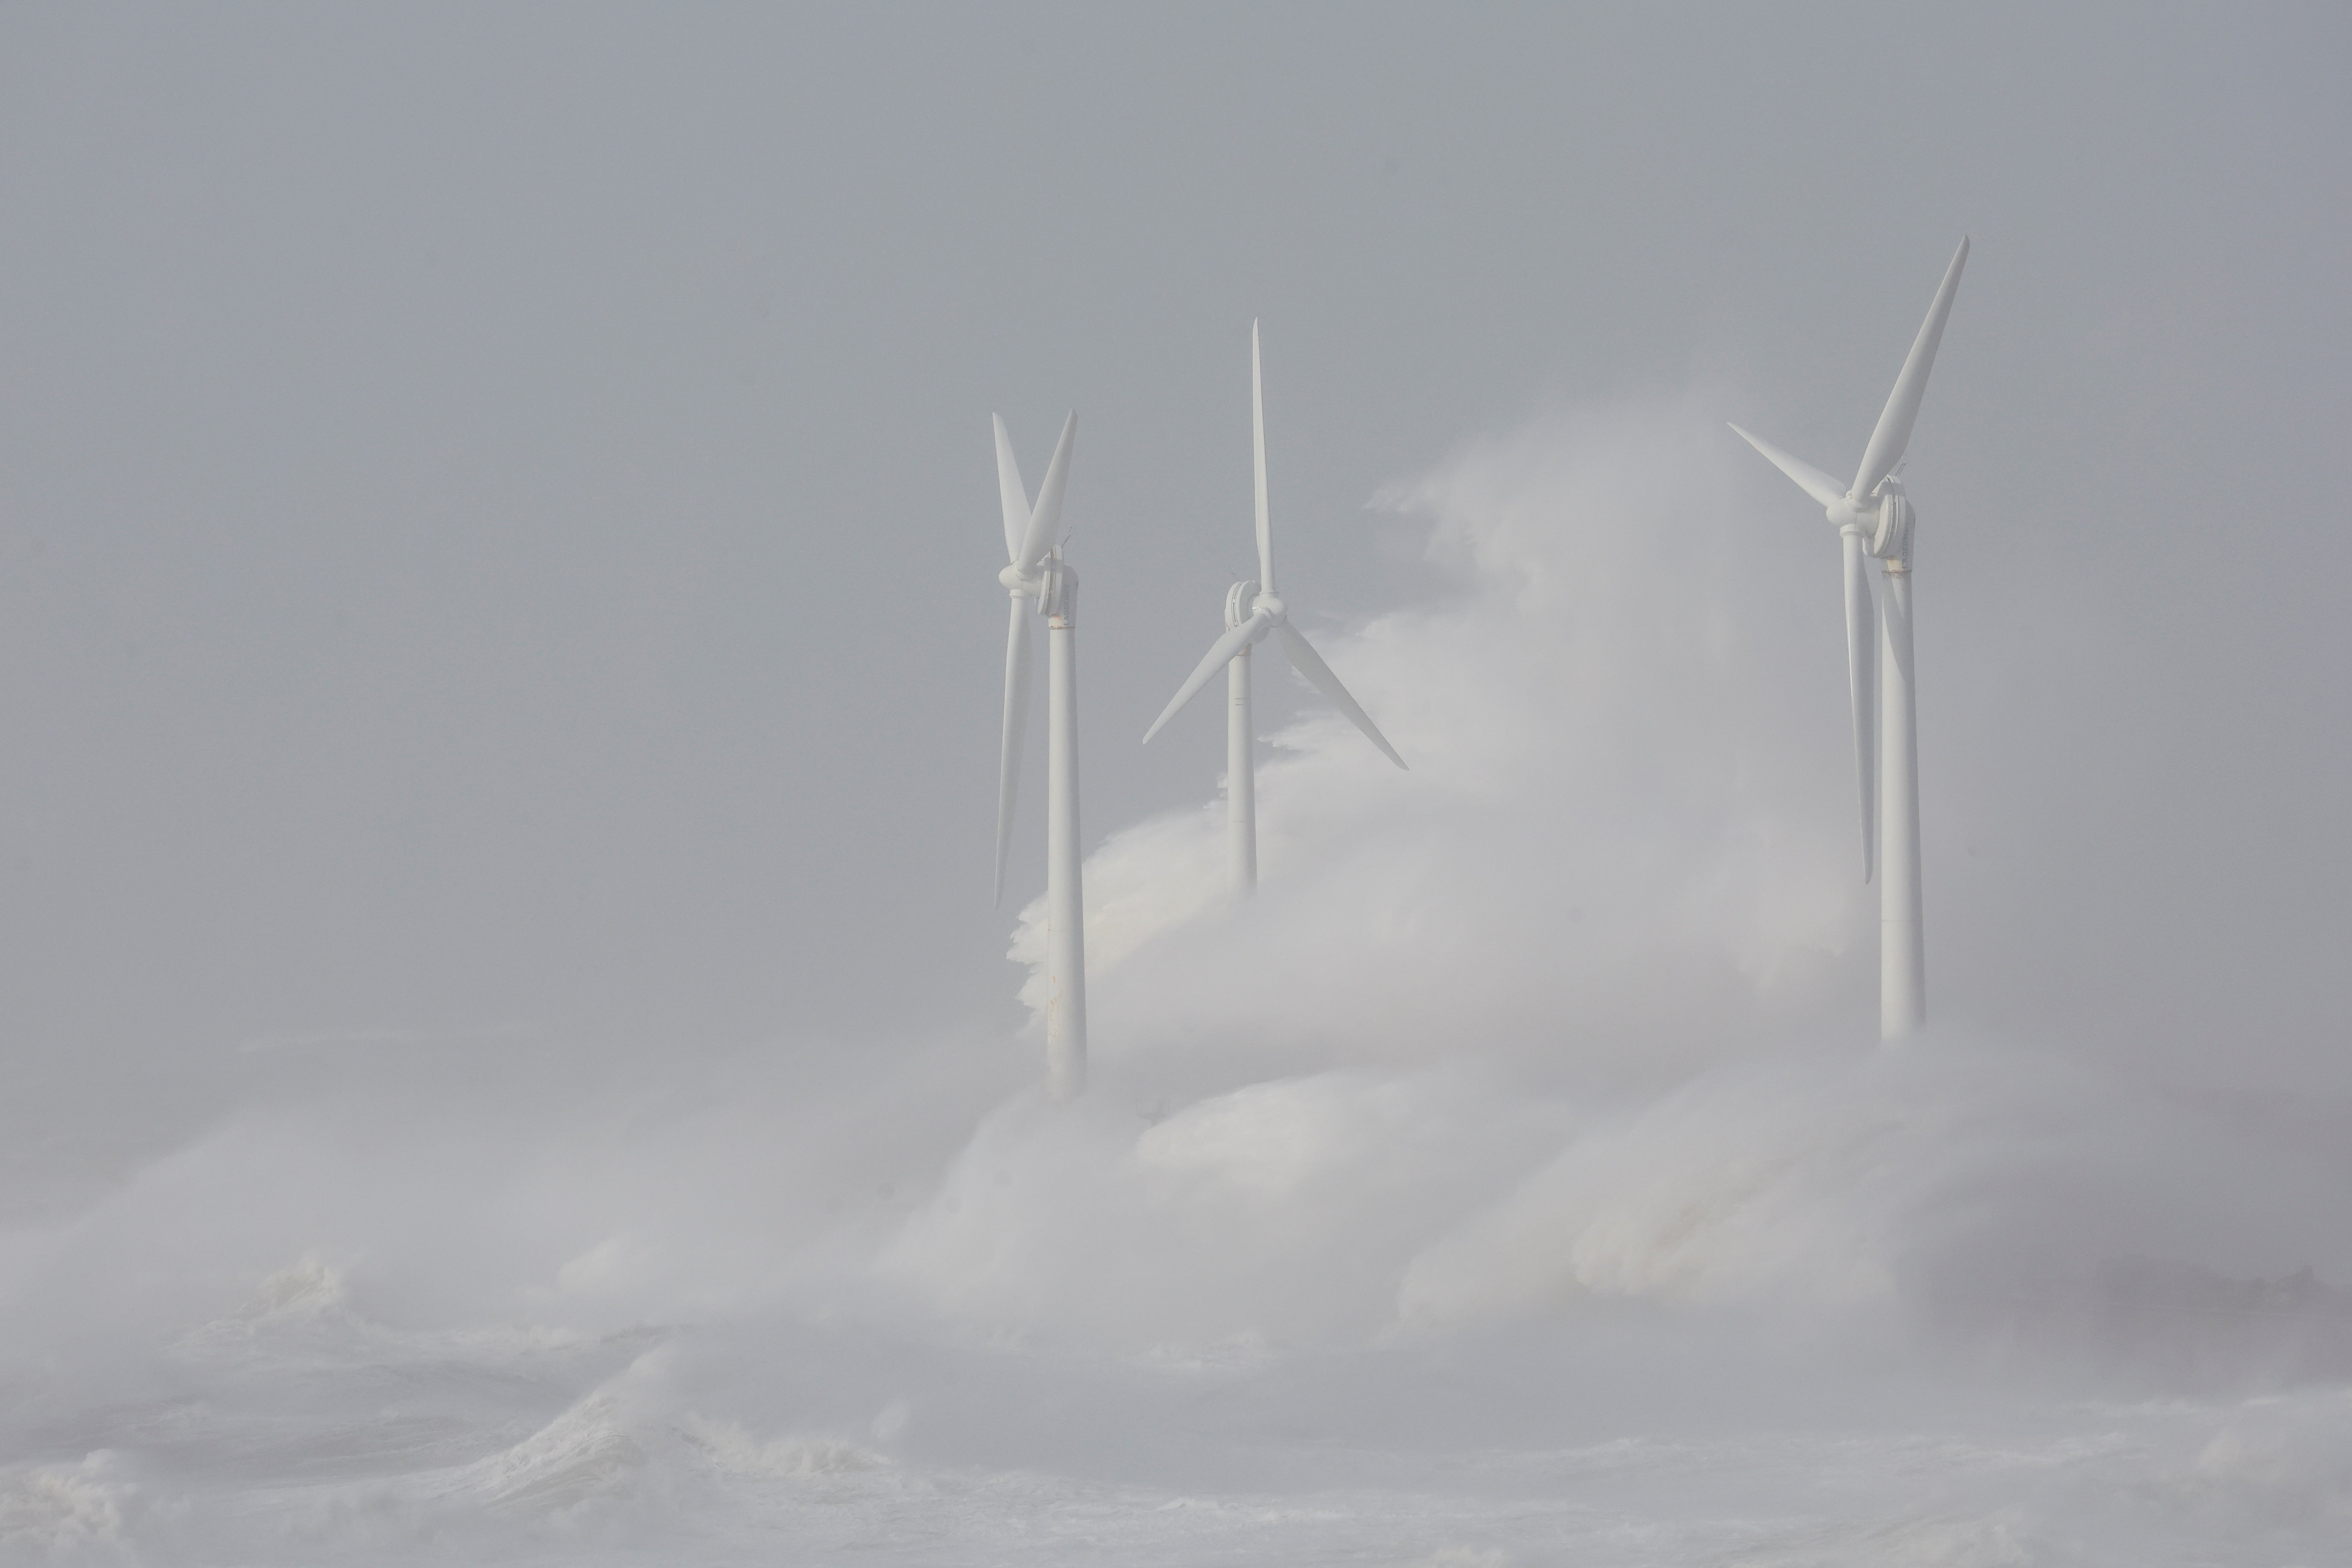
<point x="1480" y="1132"/>
<point x="510" y="1054"/>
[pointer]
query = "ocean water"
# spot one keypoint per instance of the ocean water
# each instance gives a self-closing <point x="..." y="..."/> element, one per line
<point x="1802" y="1311"/>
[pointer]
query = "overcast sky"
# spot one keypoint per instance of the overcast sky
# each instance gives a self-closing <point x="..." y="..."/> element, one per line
<point x="498" y="529"/>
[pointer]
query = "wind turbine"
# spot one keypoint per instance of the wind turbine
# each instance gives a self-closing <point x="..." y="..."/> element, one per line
<point x="1041" y="584"/>
<point x="1251" y="610"/>
<point x="1875" y="519"/>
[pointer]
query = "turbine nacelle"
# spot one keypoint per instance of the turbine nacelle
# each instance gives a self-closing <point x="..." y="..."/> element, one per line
<point x="1892" y="542"/>
<point x="1245" y="601"/>
<point x="1054" y="586"/>
<point x="1057" y="595"/>
<point x="1884" y="522"/>
<point x="1241" y="603"/>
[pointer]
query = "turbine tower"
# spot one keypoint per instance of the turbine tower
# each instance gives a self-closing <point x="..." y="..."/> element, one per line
<point x="1041" y="584"/>
<point x="1875" y="521"/>
<point x="1252" y="609"/>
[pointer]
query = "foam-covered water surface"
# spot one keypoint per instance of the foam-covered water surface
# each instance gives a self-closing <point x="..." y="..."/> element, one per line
<point x="1884" y="1310"/>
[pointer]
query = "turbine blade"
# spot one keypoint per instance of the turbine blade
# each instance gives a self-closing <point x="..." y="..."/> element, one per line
<point x="1221" y="654"/>
<point x="1810" y="479"/>
<point x="1861" y="655"/>
<point x="1047" y="519"/>
<point x="1308" y="663"/>
<point x="1011" y="493"/>
<point x="1016" y="731"/>
<point x="1893" y="432"/>
<point x="1257" y="451"/>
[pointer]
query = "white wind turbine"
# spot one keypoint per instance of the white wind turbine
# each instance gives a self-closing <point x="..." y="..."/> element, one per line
<point x="1875" y="519"/>
<point x="1251" y="610"/>
<point x="1041" y="584"/>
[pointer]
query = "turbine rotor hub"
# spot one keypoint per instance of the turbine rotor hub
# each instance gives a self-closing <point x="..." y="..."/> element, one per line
<point x="1270" y="606"/>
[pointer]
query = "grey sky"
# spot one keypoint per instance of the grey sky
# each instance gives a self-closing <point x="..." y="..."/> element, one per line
<point x="497" y="525"/>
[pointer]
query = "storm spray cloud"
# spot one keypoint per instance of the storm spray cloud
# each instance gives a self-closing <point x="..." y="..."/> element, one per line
<point x="1612" y="840"/>
<point x="1615" y="912"/>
